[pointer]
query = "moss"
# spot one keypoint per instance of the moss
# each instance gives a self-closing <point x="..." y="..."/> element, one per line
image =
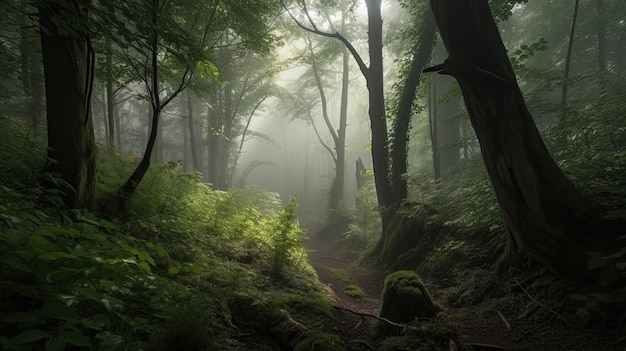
<point x="318" y="341"/>
<point x="396" y="343"/>
<point x="405" y="299"/>
<point x="354" y="291"/>
<point x="313" y="305"/>
<point x="340" y="275"/>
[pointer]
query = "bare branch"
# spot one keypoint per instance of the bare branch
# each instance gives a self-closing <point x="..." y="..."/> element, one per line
<point x="330" y="151"/>
<point x="362" y="66"/>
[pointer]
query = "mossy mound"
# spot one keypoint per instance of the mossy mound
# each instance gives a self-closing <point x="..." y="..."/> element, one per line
<point x="405" y="299"/>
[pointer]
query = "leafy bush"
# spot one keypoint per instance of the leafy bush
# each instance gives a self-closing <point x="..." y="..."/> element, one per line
<point x="71" y="283"/>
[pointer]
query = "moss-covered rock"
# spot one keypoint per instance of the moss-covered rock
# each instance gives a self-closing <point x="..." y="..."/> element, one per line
<point x="405" y="299"/>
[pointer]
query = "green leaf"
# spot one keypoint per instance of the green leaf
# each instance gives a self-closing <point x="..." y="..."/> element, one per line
<point x="173" y="270"/>
<point x="38" y="241"/>
<point x="27" y="336"/>
<point x="23" y="289"/>
<point x="16" y="263"/>
<point x="107" y="284"/>
<point x="30" y="317"/>
<point x="59" y="311"/>
<point x="97" y="322"/>
<point x="90" y="293"/>
<point x="144" y="267"/>
<point x="55" y="344"/>
<point x="75" y="338"/>
<point x="55" y="255"/>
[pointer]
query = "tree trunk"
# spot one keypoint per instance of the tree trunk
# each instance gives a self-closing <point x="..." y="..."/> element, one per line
<point x="195" y="156"/>
<point x="568" y="62"/>
<point x="541" y="208"/>
<point x="340" y="145"/>
<point x="110" y="95"/>
<point x="129" y="188"/>
<point x="68" y="81"/>
<point x="601" y="37"/>
<point x="213" y="137"/>
<point x="30" y="70"/>
<point x="400" y="133"/>
<point x="447" y="126"/>
<point x="432" y="124"/>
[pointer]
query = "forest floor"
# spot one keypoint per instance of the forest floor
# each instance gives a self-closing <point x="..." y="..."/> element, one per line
<point x="475" y="325"/>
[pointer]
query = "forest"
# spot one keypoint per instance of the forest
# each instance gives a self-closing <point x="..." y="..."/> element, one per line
<point x="319" y="175"/>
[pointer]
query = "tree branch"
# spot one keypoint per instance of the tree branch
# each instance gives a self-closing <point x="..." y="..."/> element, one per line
<point x="362" y="66"/>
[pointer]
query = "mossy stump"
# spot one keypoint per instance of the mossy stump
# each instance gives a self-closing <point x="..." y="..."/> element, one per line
<point x="405" y="299"/>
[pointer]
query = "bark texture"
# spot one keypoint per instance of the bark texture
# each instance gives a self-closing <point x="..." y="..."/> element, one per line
<point x="541" y="208"/>
<point x="68" y="76"/>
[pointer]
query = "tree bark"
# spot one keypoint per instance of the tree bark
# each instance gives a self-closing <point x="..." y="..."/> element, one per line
<point x="400" y="133"/>
<point x="192" y="134"/>
<point x="542" y="210"/>
<point x="68" y="80"/>
<point x="568" y="63"/>
<point x="140" y="171"/>
<point x="376" y="97"/>
<point x="110" y="95"/>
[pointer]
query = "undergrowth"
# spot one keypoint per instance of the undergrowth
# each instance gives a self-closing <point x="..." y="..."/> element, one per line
<point x="187" y="268"/>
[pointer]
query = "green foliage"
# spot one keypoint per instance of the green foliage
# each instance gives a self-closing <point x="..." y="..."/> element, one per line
<point x="183" y="269"/>
<point x="71" y="282"/>
<point x="286" y="240"/>
<point x="354" y="291"/>
<point x="365" y="227"/>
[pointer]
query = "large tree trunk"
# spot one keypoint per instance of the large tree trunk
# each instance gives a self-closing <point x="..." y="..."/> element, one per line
<point x="68" y="79"/>
<point x="376" y="96"/>
<point x="541" y="208"/>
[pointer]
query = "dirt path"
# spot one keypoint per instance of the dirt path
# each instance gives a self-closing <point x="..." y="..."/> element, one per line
<point x="475" y="325"/>
<point x="354" y="329"/>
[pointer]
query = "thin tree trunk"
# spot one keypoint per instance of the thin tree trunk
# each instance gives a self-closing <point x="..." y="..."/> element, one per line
<point x="434" y="136"/>
<point x="110" y="96"/>
<point x="195" y="156"/>
<point x="340" y="145"/>
<point x="140" y="171"/>
<point x="568" y="62"/>
<point x="400" y="133"/>
<point x="447" y="127"/>
<point x="601" y="37"/>
<point x="542" y="210"/>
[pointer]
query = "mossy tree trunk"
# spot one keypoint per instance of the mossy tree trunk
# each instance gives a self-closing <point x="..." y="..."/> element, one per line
<point x="68" y="62"/>
<point x="542" y="210"/>
<point x="400" y="232"/>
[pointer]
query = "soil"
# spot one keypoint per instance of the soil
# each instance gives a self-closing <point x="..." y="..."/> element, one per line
<point x="475" y="327"/>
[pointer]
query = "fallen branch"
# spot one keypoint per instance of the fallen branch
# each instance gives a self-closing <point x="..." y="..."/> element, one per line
<point x="358" y="324"/>
<point x="506" y="322"/>
<point x="382" y="319"/>
<point x="555" y="313"/>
